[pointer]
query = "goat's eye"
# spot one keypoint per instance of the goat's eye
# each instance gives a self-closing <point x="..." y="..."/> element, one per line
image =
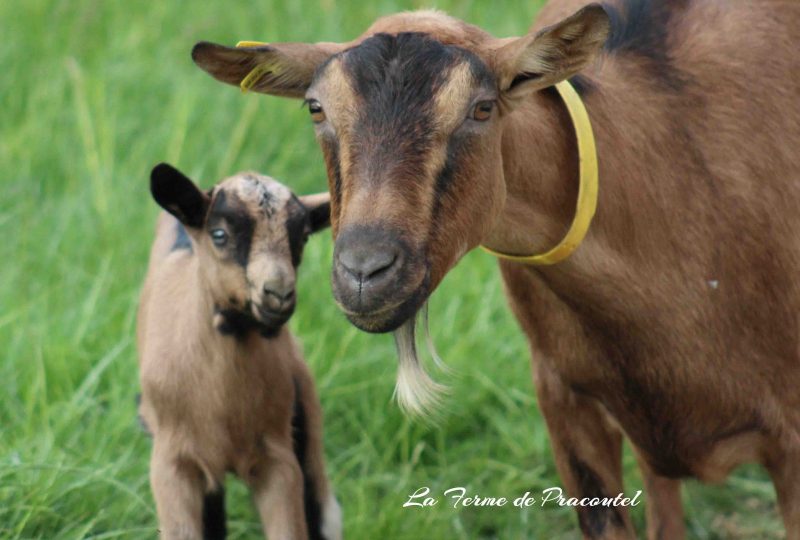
<point x="219" y="237"/>
<point x="483" y="111"/>
<point x="317" y="114"/>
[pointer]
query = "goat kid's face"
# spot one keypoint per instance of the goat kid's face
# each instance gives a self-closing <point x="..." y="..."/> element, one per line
<point x="248" y="233"/>
<point x="409" y="118"/>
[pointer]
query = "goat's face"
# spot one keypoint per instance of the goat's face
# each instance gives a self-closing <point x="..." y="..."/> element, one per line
<point x="407" y="124"/>
<point x="248" y="234"/>
<point x="410" y="119"/>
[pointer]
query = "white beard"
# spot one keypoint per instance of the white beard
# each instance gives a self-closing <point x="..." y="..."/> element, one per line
<point x="417" y="394"/>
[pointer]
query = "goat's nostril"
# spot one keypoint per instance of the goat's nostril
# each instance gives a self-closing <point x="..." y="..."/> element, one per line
<point x="367" y="263"/>
<point x="282" y="296"/>
<point x="380" y="266"/>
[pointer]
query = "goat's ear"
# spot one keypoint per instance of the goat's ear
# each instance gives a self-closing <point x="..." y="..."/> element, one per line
<point x="282" y="69"/>
<point x="540" y="60"/>
<point x="178" y="195"/>
<point x="319" y="209"/>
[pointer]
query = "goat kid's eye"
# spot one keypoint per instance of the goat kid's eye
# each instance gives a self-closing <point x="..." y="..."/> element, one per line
<point x="219" y="237"/>
<point x="315" y="108"/>
<point x="483" y="111"/>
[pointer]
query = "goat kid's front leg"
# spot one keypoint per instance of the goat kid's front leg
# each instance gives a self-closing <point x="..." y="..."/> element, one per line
<point x="178" y="491"/>
<point x="278" y="494"/>
<point x="588" y="456"/>
<point x="322" y="511"/>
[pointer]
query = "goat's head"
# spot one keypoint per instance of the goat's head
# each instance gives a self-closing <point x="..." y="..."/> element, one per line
<point x="248" y="233"/>
<point x="409" y="117"/>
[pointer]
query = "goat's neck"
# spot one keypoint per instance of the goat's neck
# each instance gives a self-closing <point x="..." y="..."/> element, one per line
<point x="202" y="304"/>
<point x="540" y="164"/>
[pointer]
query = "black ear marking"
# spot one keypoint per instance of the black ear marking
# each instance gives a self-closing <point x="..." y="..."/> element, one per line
<point x="178" y="195"/>
<point x="320" y="216"/>
<point x="318" y="207"/>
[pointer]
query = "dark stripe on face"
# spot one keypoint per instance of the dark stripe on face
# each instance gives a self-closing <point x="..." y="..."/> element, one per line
<point x="396" y="79"/>
<point x="456" y="147"/>
<point x="480" y="71"/>
<point x="330" y="149"/>
<point x="181" y="238"/>
<point x="300" y="435"/>
<point x="228" y="208"/>
<point x="391" y="71"/>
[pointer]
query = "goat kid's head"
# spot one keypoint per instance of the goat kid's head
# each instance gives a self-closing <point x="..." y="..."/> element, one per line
<point x="248" y="233"/>
<point x="409" y="117"/>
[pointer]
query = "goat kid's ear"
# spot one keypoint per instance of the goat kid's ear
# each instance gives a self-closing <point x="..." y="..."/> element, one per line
<point x="284" y="69"/>
<point x="554" y="54"/>
<point x="319" y="209"/>
<point x="178" y="195"/>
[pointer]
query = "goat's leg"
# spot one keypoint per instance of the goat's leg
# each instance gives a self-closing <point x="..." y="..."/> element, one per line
<point x="588" y="455"/>
<point x="323" y="515"/>
<point x="664" y="508"/>
<point x="278" y="494"/>
<point x="178" y="491"/>
<point x="785" y="472"/>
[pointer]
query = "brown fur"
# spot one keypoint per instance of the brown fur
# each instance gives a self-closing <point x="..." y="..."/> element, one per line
<point x="218" y="403"/>
<point x="676" y="322"/>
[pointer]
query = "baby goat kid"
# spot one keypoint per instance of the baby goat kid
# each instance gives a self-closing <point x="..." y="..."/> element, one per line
<point x="224" y="386"/>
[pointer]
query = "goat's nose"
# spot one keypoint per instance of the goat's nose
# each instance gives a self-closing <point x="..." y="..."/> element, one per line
<point x="278" y="297"/>
<point x="367" y="262"/>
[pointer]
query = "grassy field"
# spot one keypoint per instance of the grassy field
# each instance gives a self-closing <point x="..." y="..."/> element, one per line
<point x="94" y="93"/>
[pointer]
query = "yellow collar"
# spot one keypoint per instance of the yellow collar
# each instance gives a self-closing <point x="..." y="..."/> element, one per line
<point x="587" y="191"/>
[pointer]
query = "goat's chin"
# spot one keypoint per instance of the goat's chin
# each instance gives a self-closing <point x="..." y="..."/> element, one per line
<point x="392" y="317"/>
<point x="387" y="320"/>
<point x="238" y="323"/>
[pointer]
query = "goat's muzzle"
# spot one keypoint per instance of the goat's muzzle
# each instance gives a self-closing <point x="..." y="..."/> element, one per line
<point x="378" y="281"/>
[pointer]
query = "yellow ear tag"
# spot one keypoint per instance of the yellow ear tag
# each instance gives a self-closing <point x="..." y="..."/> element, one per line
<point x="257" y="72"/>
<point x="251" y="44"/>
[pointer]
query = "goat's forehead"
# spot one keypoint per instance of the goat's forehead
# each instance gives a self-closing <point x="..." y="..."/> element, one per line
<point x="411" y="67"/>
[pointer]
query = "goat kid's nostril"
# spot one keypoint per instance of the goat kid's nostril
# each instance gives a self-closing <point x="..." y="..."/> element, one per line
<point x="277" y="297"/>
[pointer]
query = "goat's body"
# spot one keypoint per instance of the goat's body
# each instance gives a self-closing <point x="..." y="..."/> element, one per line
<point x="212" y="396"/>
<point x="678" y="319"/>
<point x="217" y="403"/>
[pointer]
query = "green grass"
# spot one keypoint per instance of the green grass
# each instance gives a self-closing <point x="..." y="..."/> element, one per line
<point x="94" y="93"/>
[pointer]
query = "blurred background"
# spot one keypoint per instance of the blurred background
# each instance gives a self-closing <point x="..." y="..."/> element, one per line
<point x="93" y="94"/>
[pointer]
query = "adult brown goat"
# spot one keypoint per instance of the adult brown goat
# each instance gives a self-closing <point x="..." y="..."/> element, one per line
<point x="676" y="321"/>
<point x="224" y="385"/>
